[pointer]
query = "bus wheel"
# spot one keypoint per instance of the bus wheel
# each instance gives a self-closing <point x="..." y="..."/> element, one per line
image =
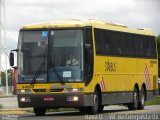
<point x="94" y="109"/>
<point x="40" y="111"/>
<point x="134" y="104"/>
<point x="83" y="110"/>
<point x="142" y="99"/>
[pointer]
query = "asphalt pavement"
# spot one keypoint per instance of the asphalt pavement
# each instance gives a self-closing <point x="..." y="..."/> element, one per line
<point x="113" y="112"/>
<point x="9" y="102"/>
<point x="118" y="113"/>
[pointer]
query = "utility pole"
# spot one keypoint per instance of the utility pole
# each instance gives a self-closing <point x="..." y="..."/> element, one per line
<point x="3" y="42"/>
<point x="0" y="37"/>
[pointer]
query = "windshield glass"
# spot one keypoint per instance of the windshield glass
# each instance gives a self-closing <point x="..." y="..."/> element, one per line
<point x="33" y="46"/>
<point x="66" y="51"/>
<point x="56" y="53"/>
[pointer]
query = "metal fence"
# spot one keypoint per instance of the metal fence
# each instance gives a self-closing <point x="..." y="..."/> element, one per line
<point x="3" y="46"/>
<point x="3" y="90"/>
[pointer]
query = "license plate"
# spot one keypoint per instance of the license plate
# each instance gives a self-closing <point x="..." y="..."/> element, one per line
<point x="48" y="99"/>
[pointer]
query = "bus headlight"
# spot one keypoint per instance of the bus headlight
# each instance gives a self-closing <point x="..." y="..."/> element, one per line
<point x="72" y="98"/>
<point x="25" y="99"/>
<point x="23" y="91"/>
<point x="74" y="90"/>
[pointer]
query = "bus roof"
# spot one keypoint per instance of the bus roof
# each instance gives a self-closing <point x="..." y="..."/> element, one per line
<point x="74" y="23"/>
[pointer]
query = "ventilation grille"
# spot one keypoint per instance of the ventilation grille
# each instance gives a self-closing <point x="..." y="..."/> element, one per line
<point x="57" y="90"/>
<point x="39" y="90"/>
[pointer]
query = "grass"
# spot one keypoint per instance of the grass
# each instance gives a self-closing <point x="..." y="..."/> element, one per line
<point x="1" y="106"/>
<point x="58" y="110"/>
<point x="61" y="110"/>
<point x="155" y="101"/>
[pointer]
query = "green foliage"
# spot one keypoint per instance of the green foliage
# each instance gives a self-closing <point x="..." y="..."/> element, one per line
<point x="158" y="47"/>
<point x="61" y="110"/>
<point x="155" y="101"/>
<point x="158" y="43"/>
<point x="10" y="77"/>
<point x="1" y="106"/>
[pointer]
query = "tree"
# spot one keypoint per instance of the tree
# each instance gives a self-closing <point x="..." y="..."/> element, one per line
<point x="158" y="47"/>
<point x="10" y="77"/>
<point x="158" y="43"/>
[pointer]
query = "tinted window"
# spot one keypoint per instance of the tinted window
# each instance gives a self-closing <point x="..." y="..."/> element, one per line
<point x="124" y="44"/>
<point x="114" y="43"/>
<point x="145" y="46"/>
<point x="152" y="44"/>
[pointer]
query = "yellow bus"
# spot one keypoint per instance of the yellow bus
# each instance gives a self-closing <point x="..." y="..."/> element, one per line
<point x="85" y="65"/>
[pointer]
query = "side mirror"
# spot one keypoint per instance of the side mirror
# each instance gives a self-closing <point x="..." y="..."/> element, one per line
<point x="11" y="59"/>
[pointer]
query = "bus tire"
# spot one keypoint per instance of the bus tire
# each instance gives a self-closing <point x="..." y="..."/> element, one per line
<point x="83" y="110"/>
<point x="39" y="111"/>
<point x="101" y="108"/>
<point x="134" y="105"/>
<point x="95" y="108"/>
<point x="142" y="99"/>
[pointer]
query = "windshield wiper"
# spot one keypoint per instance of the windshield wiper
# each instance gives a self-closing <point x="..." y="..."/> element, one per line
<point x="54" y="69"/>
<point x="58" y="75"/>
<point x="38" y="73"/>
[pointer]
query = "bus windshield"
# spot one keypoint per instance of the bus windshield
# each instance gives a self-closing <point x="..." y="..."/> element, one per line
<point x="33" y="47"/>
<point x="66" y="53"/>
<point x="56" y="56"/>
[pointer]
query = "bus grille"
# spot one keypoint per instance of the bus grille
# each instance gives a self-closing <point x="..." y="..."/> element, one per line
<point x="39" y="90"/>
<point x="57" y="90"/>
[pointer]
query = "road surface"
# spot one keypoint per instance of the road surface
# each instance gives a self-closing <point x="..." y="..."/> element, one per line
<point x="109" y="113"/>
<point x="113" y="112"/>
<point x="9" y="102"/>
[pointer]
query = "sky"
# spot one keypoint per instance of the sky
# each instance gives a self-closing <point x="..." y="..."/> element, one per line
<point x="133" y="13"/>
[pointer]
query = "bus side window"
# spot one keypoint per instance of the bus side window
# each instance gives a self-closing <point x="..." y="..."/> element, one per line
<point x="107" y="48"/>
<point x="119" y="51"/>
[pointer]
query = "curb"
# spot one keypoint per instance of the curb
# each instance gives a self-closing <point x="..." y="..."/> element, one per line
<point x="27" y="109"/>
<point x="7" y="96"/>
<point x="16" y="111"/>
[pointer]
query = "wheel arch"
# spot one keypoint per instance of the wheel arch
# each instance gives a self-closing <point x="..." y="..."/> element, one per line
<point x="145" y="89"/>
<point x="136" y="86"/>
<point x="98" y="88"/>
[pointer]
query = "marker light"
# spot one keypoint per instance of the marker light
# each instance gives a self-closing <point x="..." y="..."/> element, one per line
<point x="24" y="91"/>
<point x="74" y="90"/>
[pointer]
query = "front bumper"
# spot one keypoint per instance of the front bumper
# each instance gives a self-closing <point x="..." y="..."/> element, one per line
<point x="57" y="101"/>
